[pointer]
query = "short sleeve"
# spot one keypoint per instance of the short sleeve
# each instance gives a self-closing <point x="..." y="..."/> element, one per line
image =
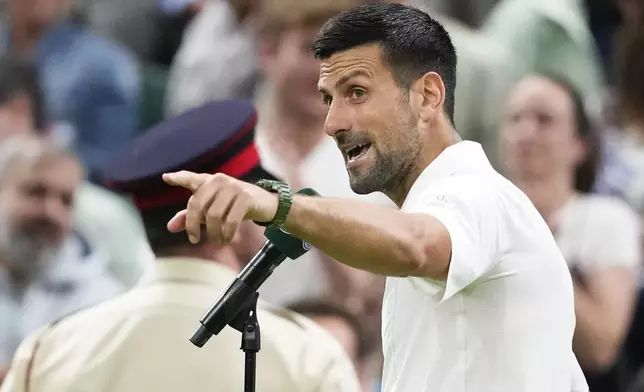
<point x="612" y="236"/>
<point x="471" y="218"/>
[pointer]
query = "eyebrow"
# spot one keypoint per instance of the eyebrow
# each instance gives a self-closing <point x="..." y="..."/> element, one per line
<point x="345" y="78"/>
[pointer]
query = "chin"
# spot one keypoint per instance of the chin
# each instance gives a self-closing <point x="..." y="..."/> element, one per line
<point x="362" y="186"/>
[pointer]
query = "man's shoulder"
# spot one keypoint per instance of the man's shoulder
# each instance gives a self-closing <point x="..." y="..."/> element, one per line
<point x="293" y="326"/>
<point x="468" y="189"/>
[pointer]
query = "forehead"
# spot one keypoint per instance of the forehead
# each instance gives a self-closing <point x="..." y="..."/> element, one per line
<point x="364" y="60"/>
<point x="61" y="172"/>
<point x="540" y="91"/>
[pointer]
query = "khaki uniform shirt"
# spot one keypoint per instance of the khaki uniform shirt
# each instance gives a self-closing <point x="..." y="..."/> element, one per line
<point x="139" y="342"/>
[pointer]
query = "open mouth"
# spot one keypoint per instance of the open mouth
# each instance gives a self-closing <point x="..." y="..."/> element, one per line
<point x="358" y="151"/>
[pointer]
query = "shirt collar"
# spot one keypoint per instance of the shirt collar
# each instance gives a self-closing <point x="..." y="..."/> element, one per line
<point x="465" y="156"/>
<point x="188" y="269"/>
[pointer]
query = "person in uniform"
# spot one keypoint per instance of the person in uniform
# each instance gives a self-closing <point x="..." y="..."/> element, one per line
<point x="139" y="341"/>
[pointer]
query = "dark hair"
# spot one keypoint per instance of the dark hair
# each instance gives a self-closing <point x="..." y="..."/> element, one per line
<point x="586" y="172"/>
<point x="21" y="77"/>
<point x="412" y="42"/>
<point x="629" y="66"/>
<point x="322" y="308"/>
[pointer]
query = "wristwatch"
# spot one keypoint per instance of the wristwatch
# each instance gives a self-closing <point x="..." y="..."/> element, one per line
<point x="285" y="201"/>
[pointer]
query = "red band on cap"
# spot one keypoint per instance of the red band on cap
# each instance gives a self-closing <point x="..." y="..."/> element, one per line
<point x="238" y="166"/>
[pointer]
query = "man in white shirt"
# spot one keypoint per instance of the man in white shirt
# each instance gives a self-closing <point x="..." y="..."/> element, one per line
<point x="479" y="297"/>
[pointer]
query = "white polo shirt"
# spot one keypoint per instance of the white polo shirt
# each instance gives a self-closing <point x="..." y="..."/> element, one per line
<point x="503" y="321"/>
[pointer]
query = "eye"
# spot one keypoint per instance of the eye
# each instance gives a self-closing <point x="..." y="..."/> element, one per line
<point x="358" y="93"/>
<point x="327" y="99"/>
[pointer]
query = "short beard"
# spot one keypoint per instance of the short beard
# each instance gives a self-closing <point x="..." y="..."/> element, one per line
<point x="391" y="169"/>
<point x="25" y="259"/>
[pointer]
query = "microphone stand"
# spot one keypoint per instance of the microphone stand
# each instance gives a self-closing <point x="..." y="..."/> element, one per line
<point x="237" y="306"/>
<point x="246" y="323"/>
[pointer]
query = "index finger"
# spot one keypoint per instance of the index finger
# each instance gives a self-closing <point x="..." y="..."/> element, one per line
<point x="185" y="179"/>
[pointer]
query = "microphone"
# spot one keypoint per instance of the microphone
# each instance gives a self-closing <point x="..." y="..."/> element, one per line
<point x="243" y="290"/>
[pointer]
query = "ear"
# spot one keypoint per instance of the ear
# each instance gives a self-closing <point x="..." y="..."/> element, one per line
<point x="427" y="95"/>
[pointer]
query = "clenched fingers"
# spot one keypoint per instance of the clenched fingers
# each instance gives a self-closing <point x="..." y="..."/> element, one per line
<point x="178" y="222"/>
<point x="235" y="217"/>
<point x="198" y="205"/>
<point x="216" y="215"/>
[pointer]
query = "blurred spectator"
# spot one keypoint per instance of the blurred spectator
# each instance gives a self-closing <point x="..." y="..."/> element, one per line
<point x="604" y="20"/>
<point x="46" y="270"/>
<point x="348" y="329"/>
<point x="623" y="172"/>
<point x="21" y="99"/>
<point x="217" y="57"/>
<point x="135" y="24"/>
<point x="551" y="153"/>
<point x="115" y="229"/>
<point x="292" y="144"/>
<point x="548" y="36"/>
<point x="88" y="82"/>
<point x="626" y="175"/>
<point x="469" y="12"/>
<point x="175" y="17"/>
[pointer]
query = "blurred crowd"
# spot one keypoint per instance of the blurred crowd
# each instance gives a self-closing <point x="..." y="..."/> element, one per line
<point x="552" y="89"/>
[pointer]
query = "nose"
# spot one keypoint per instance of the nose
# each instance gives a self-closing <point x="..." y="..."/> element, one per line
<point x="522" y="130"/>
<point x="338" y="119"/>
<point x="57" y="210"/>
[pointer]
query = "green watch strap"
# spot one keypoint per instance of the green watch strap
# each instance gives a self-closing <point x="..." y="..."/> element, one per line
<point x="285" y="201"/>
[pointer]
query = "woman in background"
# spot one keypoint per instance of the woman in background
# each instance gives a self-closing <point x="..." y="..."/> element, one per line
<point x="551" y="152"/>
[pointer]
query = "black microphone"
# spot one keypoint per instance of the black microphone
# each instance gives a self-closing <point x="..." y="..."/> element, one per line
<point x="242" y="290"/>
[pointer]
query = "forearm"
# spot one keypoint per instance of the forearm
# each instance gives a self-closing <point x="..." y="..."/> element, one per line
<point x="598" y="335"/>
<point x="371" y="237"/>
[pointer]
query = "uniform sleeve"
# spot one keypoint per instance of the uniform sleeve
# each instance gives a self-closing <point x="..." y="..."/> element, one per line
<point x="21" y="365"/>
<point x="323" y="365"/>
<point x="339" y="376"/>
<point x="472" y="219"/>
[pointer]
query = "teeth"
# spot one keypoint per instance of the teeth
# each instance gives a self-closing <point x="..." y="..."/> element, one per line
<point x="354" y="152"/>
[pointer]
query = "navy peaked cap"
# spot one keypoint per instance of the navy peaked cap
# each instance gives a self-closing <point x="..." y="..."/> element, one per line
<point x="217" y="137"/>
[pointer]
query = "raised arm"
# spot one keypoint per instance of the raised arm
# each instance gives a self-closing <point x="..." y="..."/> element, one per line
<point x="373" y="238"/>
<point x="365" y="236"/>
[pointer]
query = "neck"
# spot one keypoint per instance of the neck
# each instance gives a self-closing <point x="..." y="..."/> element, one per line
<point x="221" y="255"/>
<point x="435" y="144"/>
<point x="292" y="135"/>
<point x="548" y="194"/>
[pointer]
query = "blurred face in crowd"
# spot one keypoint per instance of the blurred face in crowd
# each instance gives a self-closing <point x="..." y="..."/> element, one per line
<point x="540" y="139"/>
<point x="38" y="13"/>
<point x="36" y="199"/>
<point x="16" y="118"/>
<point x="289" y="67"/>
<point x="372" y="119"/>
